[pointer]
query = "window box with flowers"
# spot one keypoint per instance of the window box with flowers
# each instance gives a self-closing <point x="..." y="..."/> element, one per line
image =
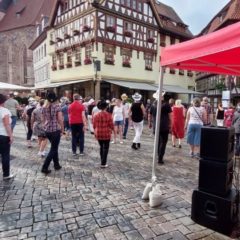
<point x="126" y="64"/>
<point x="66" y="36"/>
<point x="172" y="71"/>
<point x="76" y="32"/>
<point x="111" y="29"/>
<point x="51" y="42"/>
<point x="150" y="40"/>
<point x="77" y="63"/>
<point x="109" y="61"/>
<point x="128" y="33"/>
<point x="162" y="44"/>
<point x="87" y="61"/>
<point x="61" y="66"/>
<point x="59" y="39"/>
<point x="148" y="68"/>
<point x="69" y="65"/>
<point x="54" y="67"/>
<point x="86" y="28"/>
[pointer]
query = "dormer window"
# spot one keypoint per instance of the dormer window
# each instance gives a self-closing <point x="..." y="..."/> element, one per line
<point x="20" y="11"/>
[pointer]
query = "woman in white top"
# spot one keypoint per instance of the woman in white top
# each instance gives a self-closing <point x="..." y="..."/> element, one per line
<point x="6" y="138"/>
<point x="118" y="120"/>
<point x="196" y="116"/>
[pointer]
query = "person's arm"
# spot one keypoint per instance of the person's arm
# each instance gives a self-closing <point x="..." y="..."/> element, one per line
<point x="143" y="109"/>
<point x="204" y="116"/>
<point x="84" y="120"/>
<point x="7" y="125"/>
<point x="60" y="121"/>
<point x="170" y="120"/>
<point x="187" y="119"/>
<point x="32" y="119"/>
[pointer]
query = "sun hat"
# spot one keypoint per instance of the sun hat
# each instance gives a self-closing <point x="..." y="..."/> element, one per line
<point x="124" y="96"/>
<point x="156" y="94"/>
<point x="102" y="104"/>
<point x="51" y="97"/>
<point x="137" y="96"/>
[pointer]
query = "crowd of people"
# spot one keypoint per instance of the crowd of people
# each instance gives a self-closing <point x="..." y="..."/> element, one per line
<point x="49" y="119"/>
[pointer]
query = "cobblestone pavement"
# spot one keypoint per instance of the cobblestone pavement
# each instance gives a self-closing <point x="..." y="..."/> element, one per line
<point x="83" y="201"/>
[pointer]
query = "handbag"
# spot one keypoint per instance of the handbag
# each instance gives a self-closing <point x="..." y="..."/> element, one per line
<point x="199" y="116"/>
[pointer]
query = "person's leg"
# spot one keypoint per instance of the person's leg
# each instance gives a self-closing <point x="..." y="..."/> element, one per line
<point x="81" y="138"/>
<point x="180" y="143"/>
<point x="101" y="149"/>
<point x="197" y="139"/>
<point x="136" y="129"/>
<point x="29" y="135"/>
<point x="5" y="153"/>
<point x="140" y="129"/>
<point x="163" y="139"/>
<point x="125" y="128"/>
<point x="105" y="152"/>
<point x="74" y="138"/>
<point x="115" y="133"/>
<point x="43" y="146"/>
<point x="55" y="145"/>
<point x="120" y="133"/>
<point x="190" y="138"/>
<point x="50" y="154"/>
<point x="14" y="121"/>
<point x="237" y="146"/>
<point x="173" y="141"/>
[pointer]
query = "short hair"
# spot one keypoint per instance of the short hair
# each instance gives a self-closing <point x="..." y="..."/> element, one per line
<point x="11" y="94"/>
<point x="178" y="102"/>
<point x="41" y="102"/>
<point x="76" y="96"/>
<point x="196" y="102"/>
<point x="3" y="98"/>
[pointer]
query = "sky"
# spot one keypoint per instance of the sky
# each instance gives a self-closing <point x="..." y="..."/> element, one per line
<point x="196" y="13"/>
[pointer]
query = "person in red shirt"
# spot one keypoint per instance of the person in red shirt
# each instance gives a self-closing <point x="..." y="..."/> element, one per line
<point x="103" y="127"/>
<point x="77" y="121"/>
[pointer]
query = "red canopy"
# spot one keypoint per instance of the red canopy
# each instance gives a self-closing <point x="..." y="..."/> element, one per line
<point x="217" y="52"/>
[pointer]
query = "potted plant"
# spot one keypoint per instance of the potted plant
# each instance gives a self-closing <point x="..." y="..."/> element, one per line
<point x="109" y="61"/>
<point x="162" y="44"/>
<point x="76" y="32"/>
<point x="59" y="39"/>
<point x="111" y="29"/>
<point x="77" y="63"/>
<point x="66" y="36"/>
<point x="86" y="28"/>
<point x="51" y="42"/>
<point x="54" y="67"/>
<point x="61" y="66"/>
<point x="150" y="40"/>
<point x="172" y="71"/>
<point x="87" y="61"/>
<point x="148" y="68"/>
<point x="69" y="65"/>
<point x="128" y="33"/>
<point x="126" y="64"/>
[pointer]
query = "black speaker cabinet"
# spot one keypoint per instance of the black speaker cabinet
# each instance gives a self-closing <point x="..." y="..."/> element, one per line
<point x="217" y="213"/>
<point x="217" y="143"/>
<point x="215" y="177"/>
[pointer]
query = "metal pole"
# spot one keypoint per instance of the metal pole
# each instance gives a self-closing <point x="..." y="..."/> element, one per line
<point x="157" y="129"/>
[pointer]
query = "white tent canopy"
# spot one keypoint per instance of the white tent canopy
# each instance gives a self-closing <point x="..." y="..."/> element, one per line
<point x="7" y="86"/>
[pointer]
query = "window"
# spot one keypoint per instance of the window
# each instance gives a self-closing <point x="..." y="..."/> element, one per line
<point x="126" y="57"/>
<point x="134" y="4"/>
<point x="25" y="67"/>
<point x="61" y="60"/>
<point x="69" y="59"/>
<point x="109" y="54"/>
<point x="110" y="21"/>
<point x="140" y="7"/>
<point x="172" y="40"/>
<point x="45" y="50"/>
<point x="54" y="60"/>
<point x="78" y="56"/>
<point x="150" y="34"/>
<point x="88" y="54"/>
<point x="148" y="61"/>
<point x="127" y="26"/>
<point x="128" y="3"/>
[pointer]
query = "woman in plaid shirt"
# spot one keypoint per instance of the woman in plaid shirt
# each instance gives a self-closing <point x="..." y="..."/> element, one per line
<point x="103" y="127"/>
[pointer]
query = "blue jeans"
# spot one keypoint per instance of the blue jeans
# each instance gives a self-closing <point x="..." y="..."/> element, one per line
<point x="5" y="153"/>
<point x="125" y="127"/>
<point x="54" y="139"/>
<point x="14" y="121"/>
<point x="194" y="134"/>
<point x="77" y="137"/>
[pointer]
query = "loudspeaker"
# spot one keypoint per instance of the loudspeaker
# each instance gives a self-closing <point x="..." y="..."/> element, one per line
<point x="215" y="177"/>
<point x="217" y="143"/>
<point x="214" y="212"/>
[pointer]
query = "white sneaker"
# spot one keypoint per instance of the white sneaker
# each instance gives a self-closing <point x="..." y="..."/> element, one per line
<point x="121" y="142"/>
<point x="113" y="142"/>
<point x="39" y="154"/>
<point x="8" y="177"/>
<point x="104" y="166"/>
<point x="43" y="154"/>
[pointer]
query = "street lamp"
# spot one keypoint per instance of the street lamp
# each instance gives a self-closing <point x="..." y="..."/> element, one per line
<point x="97" y="68"/>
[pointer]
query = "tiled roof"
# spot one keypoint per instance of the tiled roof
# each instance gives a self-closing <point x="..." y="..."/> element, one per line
<point x="25" y="13"/>
<point x="230" y="13"/>
<point x="171" y="21"/>
<point x="4" y="4"/>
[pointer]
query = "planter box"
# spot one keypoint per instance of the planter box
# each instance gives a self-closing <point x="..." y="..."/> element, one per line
<point x="126" y="64"/>
<point x="162" y="44"/>
<point x="109" y="61"/>
<point x="54" y="67"/>
<point x="87" y="61"/>
<point x="76" y="32"/>
<point x="150" y="40"/>
<point x="181" y="72"/>
<point x="77" y="63"/>
<point x="111" y="29"/>
<point x="172" y="71"/>
<point x="128" y="33"/>
<point x="61" y="66"/>
<point x="59" y="39"/>
<point x="190" y="74"/>
<point x="69" y="65"/>
<point x="86" y="28"/>
<point x="51" y="42"/>
<point x="148" y="68"/>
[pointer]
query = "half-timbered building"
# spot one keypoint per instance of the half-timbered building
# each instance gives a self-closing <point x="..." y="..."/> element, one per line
<point x="105" y="46"/>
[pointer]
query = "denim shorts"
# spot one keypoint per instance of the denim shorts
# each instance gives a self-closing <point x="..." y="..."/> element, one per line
<point x="118" y="123"/>
<point x="194" y="134"/>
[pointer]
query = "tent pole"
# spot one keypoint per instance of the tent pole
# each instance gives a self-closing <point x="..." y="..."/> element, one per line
<point x="157" y="128"/>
